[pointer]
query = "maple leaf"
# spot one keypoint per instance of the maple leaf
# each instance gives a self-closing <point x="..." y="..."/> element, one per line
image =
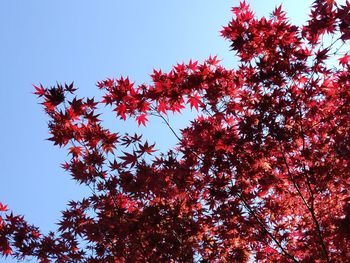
<point x="90" y="102"/>
<point x="180" y="67"/>
<point x="213" y="61"/>
<point x="70" y="88"/>
<point x="278" y="13"/>
<point x="192" y="65"/>
<point x="162" y="107"/>
<point x="76" y="151"/>
<point x="129" y="159"/>
<point x="136" y="138"/>
<point x="40" y="91"/>
<point x="144" y="107"/>
<point x="121" y="111"/>
<point x="109" y="83"/>
<point x="194" y="101"/>
<point x="176" y="107"/>
<point x="54" y="96"/>
<point x="7" y="251"/>
<point x="65" y="166"/>
<point x="344" y="60"/>
<point x="142" y="119"/>
<point x="92" y="118"/>
<point x="146" y="148"/>
<point x="321" y="55"/>
<point x="114" y="165"/>
<point x="3" y="208"/>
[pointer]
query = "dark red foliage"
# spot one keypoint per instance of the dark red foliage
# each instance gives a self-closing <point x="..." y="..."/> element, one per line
<point x="261" y="175"/>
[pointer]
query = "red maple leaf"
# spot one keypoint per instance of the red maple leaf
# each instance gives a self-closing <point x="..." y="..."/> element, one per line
<point x="40" y="91"/>
<point x="146" y="148"/>
<point x="121" y="111"/>
<point x="344" y="60"/>
<point x="3" y="208"/>
<point x="162" y="107"/>
<point x="141" y="119"/>
<point x="194" y="101"/>
<point x="129" y="159"/>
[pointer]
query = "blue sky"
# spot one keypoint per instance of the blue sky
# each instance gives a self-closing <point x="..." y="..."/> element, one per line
<point x="86" y="41"/>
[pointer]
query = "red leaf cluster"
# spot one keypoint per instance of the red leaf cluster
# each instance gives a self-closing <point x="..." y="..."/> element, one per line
<point x="261" y="175"/>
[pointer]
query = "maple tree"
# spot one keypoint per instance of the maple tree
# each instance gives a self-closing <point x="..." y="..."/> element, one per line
<point x="261" y="174"/>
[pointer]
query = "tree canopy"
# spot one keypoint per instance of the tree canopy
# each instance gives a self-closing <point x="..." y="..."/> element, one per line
<point x="261" y="174"/>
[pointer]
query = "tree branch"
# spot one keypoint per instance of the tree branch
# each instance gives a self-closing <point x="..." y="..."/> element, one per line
<point x="310" y="208"/>
<point x="246" y="205"/>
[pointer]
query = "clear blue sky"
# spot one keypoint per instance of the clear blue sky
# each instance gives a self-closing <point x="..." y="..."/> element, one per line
<point x="86" y="41"/>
